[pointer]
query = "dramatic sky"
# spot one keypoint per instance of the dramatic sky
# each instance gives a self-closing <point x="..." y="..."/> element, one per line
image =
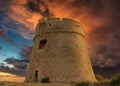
<point x="100" y="20"/>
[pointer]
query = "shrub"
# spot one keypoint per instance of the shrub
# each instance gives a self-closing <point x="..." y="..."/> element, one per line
<point x="83" y="84"/>
<point x="99" y="77"/>
<point x="102" y="84"/>
<point x="116" y="80"/>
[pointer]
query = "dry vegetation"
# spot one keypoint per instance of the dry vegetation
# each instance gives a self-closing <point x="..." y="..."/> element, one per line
<point x="115" y="81"/>
<point x="32" y="84"/>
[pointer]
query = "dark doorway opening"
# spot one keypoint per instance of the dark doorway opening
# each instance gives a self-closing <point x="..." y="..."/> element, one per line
<point x="45" y="80"/>
<point x="36" y="76"/>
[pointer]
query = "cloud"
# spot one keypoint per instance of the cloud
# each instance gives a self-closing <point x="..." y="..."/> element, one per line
<point x="91" y="14"/>
<point x="1" y="48"/>
<point x="7" y="69"/>
<point x="8" y="23"/>
<point x="106" y="60"/>
<point x="21" y="14"/>
<point x="2" y="33"/>
<point x="10" y="77"/>
<point x="10" y="40"/>
<point x="104" y="49"/>
<point x="28" y="12"/>
<point x="104" y="46"/>
<point x="19" y="65"/>
<point x="107" y="72"/>
<point x="26" y="52"/>
<point x="38" y="6"/>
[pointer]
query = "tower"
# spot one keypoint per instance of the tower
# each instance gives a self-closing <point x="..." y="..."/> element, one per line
<point x="59" y="53"/>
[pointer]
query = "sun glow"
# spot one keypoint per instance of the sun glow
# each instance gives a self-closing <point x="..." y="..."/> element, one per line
<point x="10" y="77"/>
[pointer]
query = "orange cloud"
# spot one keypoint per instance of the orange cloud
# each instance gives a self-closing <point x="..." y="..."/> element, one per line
<point x="67" y="9"/>
<point x="22" y="15"/>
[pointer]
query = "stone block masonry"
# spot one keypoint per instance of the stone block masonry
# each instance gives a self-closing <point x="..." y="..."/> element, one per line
<point x="59" y="53"/>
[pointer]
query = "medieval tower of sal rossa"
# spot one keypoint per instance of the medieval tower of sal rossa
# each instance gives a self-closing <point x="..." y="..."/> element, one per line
<point x="59" y="53"/>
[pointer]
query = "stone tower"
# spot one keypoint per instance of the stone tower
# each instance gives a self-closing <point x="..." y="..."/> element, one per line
<point x="59" y="53"/>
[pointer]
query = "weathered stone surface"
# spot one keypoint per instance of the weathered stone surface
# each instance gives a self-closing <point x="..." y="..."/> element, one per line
<point x="59" y="53"/>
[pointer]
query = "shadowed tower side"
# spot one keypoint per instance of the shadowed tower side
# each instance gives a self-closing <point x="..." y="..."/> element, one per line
<point x="59" y="53"/>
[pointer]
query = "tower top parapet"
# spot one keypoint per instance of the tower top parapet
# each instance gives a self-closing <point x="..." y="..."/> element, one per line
<point x="50" y="25"/>
<point x="56" y="19"/>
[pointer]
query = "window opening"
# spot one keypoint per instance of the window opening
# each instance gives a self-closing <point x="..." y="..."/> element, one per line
<point x="49" y="24"/>
<point x="42" y="44"/>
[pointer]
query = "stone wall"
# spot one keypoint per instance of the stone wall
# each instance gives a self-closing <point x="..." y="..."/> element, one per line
<point x="59" y="53"/>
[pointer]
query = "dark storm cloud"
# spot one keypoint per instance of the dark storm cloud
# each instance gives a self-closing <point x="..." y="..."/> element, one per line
<point x="1" y="48"/>
<point x="16" y="71"/>
<point x="106" y="57"/>
<point x="107" y="72"/>
<point x="3" y="36"/>
<point x="9" y="24"/>
<point x="26" y="52"/>
<point x="104" y="71"/>
<point x="2" y="33"/>
<point x="5" y="6"/>
<point x="6" y="22"/>
<point x="3" y="3"/>
<point x="104" y="40"/>
<point x="94" y="6"/>
<point x="106" y="47"/>
<point x="19" y="66"/>
<point x="117" y="37"/>
<point x="11" y="41"/>
<point x="38" y="6"/>
<point x="17" y="63"/>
